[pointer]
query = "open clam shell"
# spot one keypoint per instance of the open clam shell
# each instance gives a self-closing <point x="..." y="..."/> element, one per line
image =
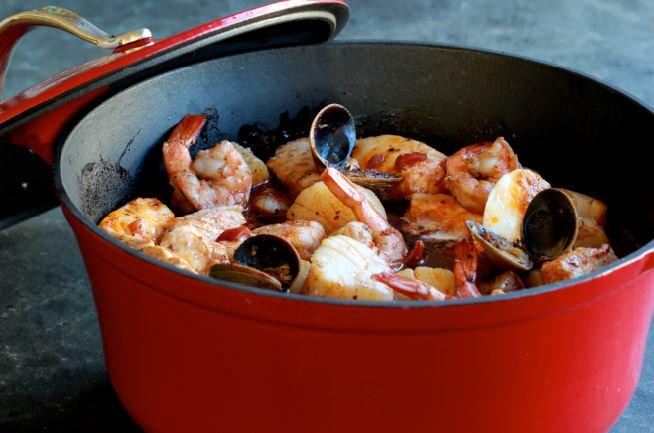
<point x="377" y="181"/>
<point x="264" y="261"/>
<point x="503" y="253"/>
<point x="550" y="224"/>
<point x="332" y="138"/>
<point x="236" y="273"/>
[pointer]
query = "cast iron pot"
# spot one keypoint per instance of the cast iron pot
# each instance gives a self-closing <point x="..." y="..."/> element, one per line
<point x="188" y="353"/>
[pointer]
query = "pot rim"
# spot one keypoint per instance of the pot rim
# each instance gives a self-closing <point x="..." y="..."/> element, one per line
<point x="632" y="258"/>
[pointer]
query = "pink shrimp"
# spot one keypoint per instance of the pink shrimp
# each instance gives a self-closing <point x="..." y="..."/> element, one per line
<point x="472" y="171"/>
<point x="410" y="287"/>
<point x="465" y="269"/>
<point x="217" y="177"/>
<point x="389" y="241"/>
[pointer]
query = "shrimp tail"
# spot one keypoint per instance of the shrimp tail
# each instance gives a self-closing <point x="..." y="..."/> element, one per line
<point x="344" y="190"/>
<point x="411" y="288"/>
<point x="188" y="129"/>
<point x="177" y="158"/>
<point x="389" y="241"/>
<point x="417" y="254"/>
<point x="465" y="269"/>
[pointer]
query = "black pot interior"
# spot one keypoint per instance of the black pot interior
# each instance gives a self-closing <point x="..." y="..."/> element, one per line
<point x="575" y="132"/>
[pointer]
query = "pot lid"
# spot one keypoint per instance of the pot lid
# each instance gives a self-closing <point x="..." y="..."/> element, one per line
<point x="137" y="55"/>
<point x="38" y="117"/>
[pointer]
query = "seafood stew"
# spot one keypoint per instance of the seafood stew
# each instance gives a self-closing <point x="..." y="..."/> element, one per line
<point x="383" y="217"/>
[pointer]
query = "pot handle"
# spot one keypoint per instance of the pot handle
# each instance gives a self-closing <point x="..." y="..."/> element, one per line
<point x="14" y="27"/>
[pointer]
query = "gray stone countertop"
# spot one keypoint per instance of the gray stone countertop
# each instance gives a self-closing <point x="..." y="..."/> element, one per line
<point x="52" y="375"/>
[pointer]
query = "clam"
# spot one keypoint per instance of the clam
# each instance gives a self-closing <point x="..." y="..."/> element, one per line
<point x="264" y="261"/>
<point x="332" y="138"/>
<point x="550" y="227"/>
<point x="502" y="252"/>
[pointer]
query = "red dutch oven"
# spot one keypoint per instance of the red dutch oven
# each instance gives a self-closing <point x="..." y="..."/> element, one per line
<point x="187" y="353"/>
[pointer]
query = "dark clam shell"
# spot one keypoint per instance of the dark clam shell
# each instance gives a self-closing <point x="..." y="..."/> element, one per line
<point x="503" y="253"/>
<point x="378" y="182"/>
<point x="332" y="136"/>
<point x="265" y="261"/>
<point x="270" y="254"/>
<point x="240" y="274"/>
<point x="549" y="226"/>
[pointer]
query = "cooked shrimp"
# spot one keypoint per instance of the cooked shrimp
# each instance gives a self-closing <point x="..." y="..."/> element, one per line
<point x="358" y="231"/>
<point x="318" y="203"/>
<point x="421" y="167"/>
<point x="193" y="237"/>
<point x="269" y="201"/>
<point x="508" y="202"/>
<point x="416" y="255"/>
<point x="465" y="269"/>
<point x="472" y="171"/>
<point x="410" y="287"/>
<point x="342" y="268"/>
<point x="294" y="166"/>
<point x="216" y="177"/>
<point x="576" y="263"/>
<point x="506" y="282"/>
<point x="437" y="217"/>
<point x="422" y="176"/>
<point x="142" y="219"/>
<point x="188" y="243"/>
<point x="165" y="255"/>
<point x="211" y="223"/>
<point x="389" y="241"/>
<point x="305" y="236"/>
<point x="438" y="278"/>
<point x="180" y="203"/>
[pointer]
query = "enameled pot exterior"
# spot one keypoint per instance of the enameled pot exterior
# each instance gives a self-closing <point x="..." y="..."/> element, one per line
<point x="216" y="359"/>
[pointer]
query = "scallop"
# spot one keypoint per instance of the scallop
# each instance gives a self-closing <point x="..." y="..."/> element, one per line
<point x="343" y="268"/>
<point x="317" y="203"/>
<point x="257" y="167"/>
<point x="142" y="218"/>
<point x="305" y="236"/>
<point x="508" y="202"/>
<point x="294" y="166"/>
<point x="438" y="278"/>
